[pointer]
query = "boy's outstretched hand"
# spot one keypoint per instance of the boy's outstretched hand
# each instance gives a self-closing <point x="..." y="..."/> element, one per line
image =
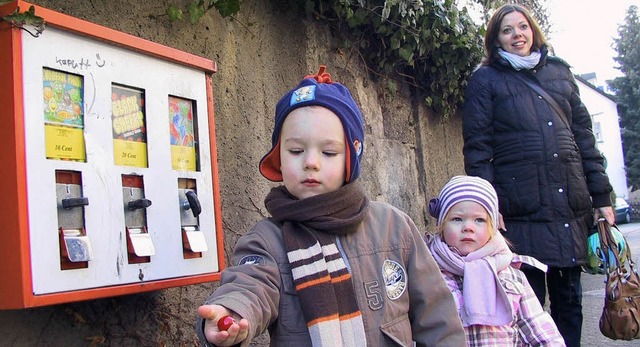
<point x="236" y="333"/>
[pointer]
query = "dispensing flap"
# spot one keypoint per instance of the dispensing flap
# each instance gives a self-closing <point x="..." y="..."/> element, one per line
<point x="141" y="242"/>
<point x="78" y="245"/>
<point x="197" y="243"/>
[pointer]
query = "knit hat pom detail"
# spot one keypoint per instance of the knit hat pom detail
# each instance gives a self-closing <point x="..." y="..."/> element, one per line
<point x="321" y="76"/>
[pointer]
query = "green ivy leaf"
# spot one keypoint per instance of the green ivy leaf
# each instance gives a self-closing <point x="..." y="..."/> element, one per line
<point x="196" y="11"/>
<point x="406" y="53"/>
<point x="395" y="43"/>
<point x="428" y="101"/>
<point x="24" y="19"/>
<point x="227" y="8"/>
<point x="174" y="13"/>
<point x="392" y="87"/>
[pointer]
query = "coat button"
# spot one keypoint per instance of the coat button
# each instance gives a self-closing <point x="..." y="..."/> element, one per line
<point x="555" y="155"/>
<point x="550" y="123"/>
<point x="560" y="190"/>
<point x="566" y="225"/>
<point x="540" y="97"/>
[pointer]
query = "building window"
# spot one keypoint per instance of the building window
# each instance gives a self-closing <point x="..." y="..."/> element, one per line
<point x="597" y="131"/>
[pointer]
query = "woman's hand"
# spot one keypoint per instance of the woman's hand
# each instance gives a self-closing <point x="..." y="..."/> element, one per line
<point x="605" y="212"/>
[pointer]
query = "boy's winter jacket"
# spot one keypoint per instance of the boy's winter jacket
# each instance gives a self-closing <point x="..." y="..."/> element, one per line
<point x="391" y="272"/>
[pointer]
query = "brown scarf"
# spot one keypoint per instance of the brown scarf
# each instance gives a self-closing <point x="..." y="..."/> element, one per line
<point x="310" y="228"/>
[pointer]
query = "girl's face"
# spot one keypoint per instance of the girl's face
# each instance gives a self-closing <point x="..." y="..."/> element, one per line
<point x="467" y="227"/>
<point x="312" y="152"/>
<point x="515" y="35"/>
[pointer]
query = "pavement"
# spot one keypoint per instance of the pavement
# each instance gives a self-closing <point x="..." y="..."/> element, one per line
<point x="593" y="296"/>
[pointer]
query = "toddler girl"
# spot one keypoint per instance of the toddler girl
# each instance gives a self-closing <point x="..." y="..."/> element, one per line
<point x="496" y="303"/>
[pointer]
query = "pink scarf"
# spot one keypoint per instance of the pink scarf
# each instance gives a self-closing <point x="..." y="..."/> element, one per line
<point x="484" y="299"/>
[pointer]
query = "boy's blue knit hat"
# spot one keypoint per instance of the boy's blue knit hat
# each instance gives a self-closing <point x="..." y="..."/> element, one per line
<point x="319" y="90"/>
<point x="465" y="188"/>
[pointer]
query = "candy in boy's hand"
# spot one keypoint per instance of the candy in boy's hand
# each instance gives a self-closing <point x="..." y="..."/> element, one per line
<point x="225" y="323"/>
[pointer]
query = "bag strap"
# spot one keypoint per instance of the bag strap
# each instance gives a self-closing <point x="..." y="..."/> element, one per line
<point x="608" y="243"/>
<point x="552" y="102"/>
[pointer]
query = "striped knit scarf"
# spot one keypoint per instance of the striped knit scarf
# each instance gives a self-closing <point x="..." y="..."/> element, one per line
<point x="322" y="279"/>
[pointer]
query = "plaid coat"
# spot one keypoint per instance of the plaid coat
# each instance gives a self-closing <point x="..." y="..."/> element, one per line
<point x="530" y="326"/>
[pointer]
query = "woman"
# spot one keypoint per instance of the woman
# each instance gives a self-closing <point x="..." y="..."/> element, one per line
<point x="545" y="167"/>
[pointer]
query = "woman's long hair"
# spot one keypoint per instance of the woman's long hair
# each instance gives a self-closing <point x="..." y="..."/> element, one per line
<point x="491" y="44"/>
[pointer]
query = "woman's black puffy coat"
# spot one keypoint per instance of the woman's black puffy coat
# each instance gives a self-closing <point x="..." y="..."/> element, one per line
<point x="547" y="175"/>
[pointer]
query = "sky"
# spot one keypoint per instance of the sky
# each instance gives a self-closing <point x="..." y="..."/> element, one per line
<point x="582" y="33"/>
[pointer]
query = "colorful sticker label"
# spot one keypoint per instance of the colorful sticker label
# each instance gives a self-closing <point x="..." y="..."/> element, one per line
<point x="128" y="126"/>
<point x="63" y="115"/>
<point x="182" y="134"/>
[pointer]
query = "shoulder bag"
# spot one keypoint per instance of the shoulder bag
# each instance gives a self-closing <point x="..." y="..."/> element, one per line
<point x="620" y="319"/>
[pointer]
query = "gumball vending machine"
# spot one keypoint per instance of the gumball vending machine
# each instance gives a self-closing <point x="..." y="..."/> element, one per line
<point x="109" y="176"/>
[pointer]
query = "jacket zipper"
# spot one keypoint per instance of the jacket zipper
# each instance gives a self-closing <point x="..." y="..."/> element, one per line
<point x="342" y="254"/>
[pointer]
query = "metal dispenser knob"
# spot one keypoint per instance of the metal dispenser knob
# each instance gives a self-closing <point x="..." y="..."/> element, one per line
<point x="138" y="204"/>
<point x="192" y="203"/>
<point x="74" y="202"/>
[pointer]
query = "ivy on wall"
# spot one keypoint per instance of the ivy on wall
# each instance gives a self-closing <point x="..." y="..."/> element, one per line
<point x="197" y="8"/>
<point x="25" y="20"/>
<point x="430" y="44"/>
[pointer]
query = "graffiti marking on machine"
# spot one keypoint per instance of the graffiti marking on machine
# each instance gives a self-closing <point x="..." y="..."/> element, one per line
<point x="82" y="64"/>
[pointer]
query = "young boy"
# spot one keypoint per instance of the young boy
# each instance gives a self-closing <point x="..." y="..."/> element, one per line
<point x="330" y="268"/>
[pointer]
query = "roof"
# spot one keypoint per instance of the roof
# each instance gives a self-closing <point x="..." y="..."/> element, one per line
<point x="588" y="84"/>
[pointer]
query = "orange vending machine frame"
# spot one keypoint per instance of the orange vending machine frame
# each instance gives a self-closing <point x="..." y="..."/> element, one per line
<point x="17" y="284"/>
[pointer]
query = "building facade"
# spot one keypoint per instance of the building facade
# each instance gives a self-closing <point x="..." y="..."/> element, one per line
<point x="606" y="128"/>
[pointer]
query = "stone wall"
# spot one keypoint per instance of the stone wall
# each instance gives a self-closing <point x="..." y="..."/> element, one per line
<point x="409" y="152"/>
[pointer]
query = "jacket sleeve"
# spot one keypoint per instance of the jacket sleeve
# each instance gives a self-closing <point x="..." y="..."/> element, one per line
<point x="592" y="160"/>
<point x="434" y="316"/>
<point x="249" y="288"/>
<point x="537" y="328"/>
<point x="478" y="128"/>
